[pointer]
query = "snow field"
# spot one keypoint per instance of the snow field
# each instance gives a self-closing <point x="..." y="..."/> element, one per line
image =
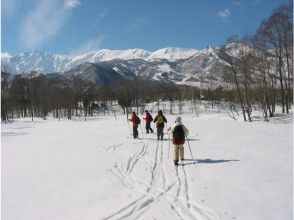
<point x="94" y="170"/>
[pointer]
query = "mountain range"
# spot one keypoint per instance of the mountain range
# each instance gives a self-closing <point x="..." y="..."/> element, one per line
<point x="174" y="65"/>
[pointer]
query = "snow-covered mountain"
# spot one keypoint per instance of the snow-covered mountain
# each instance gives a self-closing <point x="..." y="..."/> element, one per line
<point x="107" y="55"/>
<point x="176" y="65"/>
<point x="35" y="61"/>
<point x="172" y="54"/>
<point x="5" y="58"/>
<point x="94" y="72"/>
<point x="47" y="62"/>
<point x="203" y="67"/>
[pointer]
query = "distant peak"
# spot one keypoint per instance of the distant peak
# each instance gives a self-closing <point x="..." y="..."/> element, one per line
<point x="5" y="55"/>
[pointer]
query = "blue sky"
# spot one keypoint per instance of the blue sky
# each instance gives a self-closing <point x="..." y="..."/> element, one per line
<point x="78" y="26"/>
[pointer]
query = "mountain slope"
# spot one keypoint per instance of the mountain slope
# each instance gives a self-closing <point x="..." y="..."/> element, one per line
<point x="96" y="73"/>
<point x="172" y="54"/>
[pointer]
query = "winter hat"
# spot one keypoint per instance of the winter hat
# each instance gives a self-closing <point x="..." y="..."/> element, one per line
<point x="146" y="111"/>
<point x="160" y="112"/>
<point x="178" y="119"/>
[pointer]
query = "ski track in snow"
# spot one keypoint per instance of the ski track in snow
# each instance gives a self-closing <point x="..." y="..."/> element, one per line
<point x="174" y="190"/>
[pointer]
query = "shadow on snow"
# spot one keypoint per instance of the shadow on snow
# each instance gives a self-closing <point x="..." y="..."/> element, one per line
<point x="209" y="161"/>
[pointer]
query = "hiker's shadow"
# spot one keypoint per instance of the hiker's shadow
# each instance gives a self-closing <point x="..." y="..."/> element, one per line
<point x="208" y="161"/>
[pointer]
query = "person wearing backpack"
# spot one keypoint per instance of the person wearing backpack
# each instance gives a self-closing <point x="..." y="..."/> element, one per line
<point x="179" y="132"/>
<point x="160" y="120"/>
<point x="136" y="121"/>
<point x="148" y="119"/>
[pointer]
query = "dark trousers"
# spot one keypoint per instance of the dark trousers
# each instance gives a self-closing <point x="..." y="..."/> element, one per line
<point x="160" y="133"/>
<point x="148" y="127"/>
<point x="135" y="132"/>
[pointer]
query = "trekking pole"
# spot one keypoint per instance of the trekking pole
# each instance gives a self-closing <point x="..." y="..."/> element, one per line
<point x="114" y="115"/>
<point x="190" y="148"/>
<point x="129" y="125"/>
<point x="168" y="145"/>
<point x="141" y="126"/>
<point x="142" y="131"/>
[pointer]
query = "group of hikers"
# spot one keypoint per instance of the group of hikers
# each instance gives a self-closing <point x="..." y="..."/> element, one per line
<point x="178" y="130"/>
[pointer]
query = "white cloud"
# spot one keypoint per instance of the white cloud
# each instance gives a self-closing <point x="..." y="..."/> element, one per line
<point x="69" y="4"/>
<point x="95" y="23"/>
<point x="89" y="46"/>
<point x="237" y="3"/>
<point x="43" y="22"/>
<point x="224" y="13"/>
<point x="102" y="15"/>
<point x="138" y="23"/>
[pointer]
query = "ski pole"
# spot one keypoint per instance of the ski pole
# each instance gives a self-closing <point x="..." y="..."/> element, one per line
<point x="142" y="131"/>
<point x="168" y="146"/>
<point x="143" y="124"/>
<point x="190" y="148"/>
<point x="114" y="115"/>
<point x="129" y="125"/>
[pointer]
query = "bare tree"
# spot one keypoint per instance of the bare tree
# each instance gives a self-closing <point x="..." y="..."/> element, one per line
<point x="276" y="32"/>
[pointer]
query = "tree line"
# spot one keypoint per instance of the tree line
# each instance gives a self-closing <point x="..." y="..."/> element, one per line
<point x="37" y="96"/>
<point x="262" y="71"/>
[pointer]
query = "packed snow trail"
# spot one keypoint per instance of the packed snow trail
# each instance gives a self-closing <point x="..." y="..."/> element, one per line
<point x="168" y="183"/>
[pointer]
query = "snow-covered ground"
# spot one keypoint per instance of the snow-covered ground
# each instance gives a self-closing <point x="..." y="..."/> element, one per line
<point x="94" y="170"/>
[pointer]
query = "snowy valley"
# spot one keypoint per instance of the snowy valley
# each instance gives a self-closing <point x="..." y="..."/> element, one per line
<point x="93" y="169"/>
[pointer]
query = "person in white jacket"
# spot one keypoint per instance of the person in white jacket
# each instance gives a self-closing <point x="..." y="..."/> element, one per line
<point x="179" y="132"/>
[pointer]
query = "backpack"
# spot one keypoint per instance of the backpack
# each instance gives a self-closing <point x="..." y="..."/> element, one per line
<point x="138" y="120"/>
<point x="160" y="119"/>
<point x="179" y="133"/>
<point x="149" y="117"/>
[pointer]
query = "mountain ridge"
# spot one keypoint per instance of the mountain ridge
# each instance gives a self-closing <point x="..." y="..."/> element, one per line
<point x="48" y="62"/>
<point x="172" y="64"/>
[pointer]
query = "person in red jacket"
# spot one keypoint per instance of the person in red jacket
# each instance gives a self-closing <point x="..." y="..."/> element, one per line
<point x="180" y="132"/>
<point x="148" y="119"/>
<point x="136" y="121"/>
